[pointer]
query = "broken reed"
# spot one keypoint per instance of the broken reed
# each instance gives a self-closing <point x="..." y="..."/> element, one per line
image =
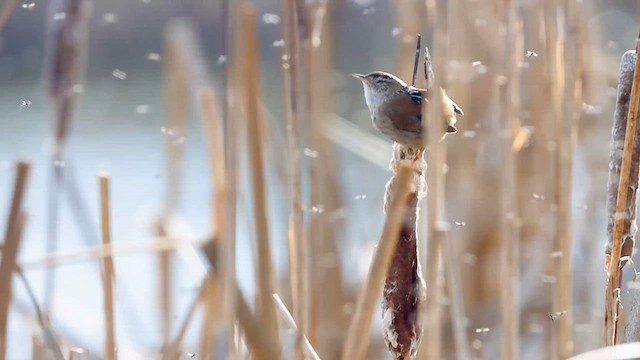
<point x="624" y="159"/>
<point x="107" y="265"/>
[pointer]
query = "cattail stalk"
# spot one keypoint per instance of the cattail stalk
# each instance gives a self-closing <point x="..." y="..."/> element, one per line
<point x="12" y="240"/>
<point x="625" y="159"/>
<point x="398" y="190"/>
<point x="404" y="286"/>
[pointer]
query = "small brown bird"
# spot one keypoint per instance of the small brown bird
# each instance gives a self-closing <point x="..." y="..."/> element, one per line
<point x="396" y="108"/>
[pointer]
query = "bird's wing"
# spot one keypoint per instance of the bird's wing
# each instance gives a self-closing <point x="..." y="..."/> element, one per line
<point x="405" y="110"/>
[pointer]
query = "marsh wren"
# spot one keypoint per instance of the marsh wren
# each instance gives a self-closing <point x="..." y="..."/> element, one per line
<point x="396" y="108"/>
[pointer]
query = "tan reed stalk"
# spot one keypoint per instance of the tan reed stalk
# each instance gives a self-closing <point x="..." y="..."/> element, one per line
<point x="12" y="239"/>
<point x="66" y="47"/>
<point x="571" y="110"/>
<point x="107" y="264"/>
<point x="211" y="317"/>
<point x="214" y="138"/>
<point x="298" y="248"/>
<point x="623" y="209"/>
<point x="5" y="13"/>
<point x="431" y="347"/>
<point x="357" y="339"/>
<point x="231" y="147"/>
<point x="309" y="351"/>
<point x="509" y="231"/>
<point x="176" y="94"/>
<point x="326" y="287"/>
<point x="265" y="308"/>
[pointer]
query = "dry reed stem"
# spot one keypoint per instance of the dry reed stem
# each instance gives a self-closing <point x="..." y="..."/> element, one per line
<point x="326" y="286"/>
<point x="107" y="264"/>
<point x="404" y="286"/>
<point x="12" y="239"/>
<point x="357" y="339"/>
<point x="286" y="315"/>
<point x="5" y="13"/>
<point x="614" y="274"/>
<point x="228" y="214"/>
<point x="567" y="138"/>
<point x="509" y="232"/>
<point x="255" y="125"/>
<point x="176" y="94"/>
<point x="214" y="137"/>
<point x="369" y="147"/>
<point x="298" y="249"/>
<point x="431" y="316"/>
<point x="211" y="318"/>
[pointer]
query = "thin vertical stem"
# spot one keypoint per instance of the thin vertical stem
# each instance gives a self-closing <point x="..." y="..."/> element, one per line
<point x="255" y="125"/>
<point x="107" y="263"/>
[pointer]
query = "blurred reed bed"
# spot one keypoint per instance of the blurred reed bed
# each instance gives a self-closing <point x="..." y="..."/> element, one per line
<point x="498" y="238"/>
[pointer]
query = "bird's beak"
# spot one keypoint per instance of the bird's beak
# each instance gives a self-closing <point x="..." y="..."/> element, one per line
<point x="357" y="76"/>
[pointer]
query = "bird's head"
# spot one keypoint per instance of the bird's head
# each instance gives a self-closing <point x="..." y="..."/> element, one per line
<point x="379" y="86"/>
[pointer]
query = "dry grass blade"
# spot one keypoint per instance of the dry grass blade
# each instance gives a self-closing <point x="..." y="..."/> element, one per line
<point x="358" y="334"/>
<point x="107" y="264"/>
<point x="264" y="273"/>
<point x="173" y="351"/>
<point x="614" y="274"/>
<point x="10" y="249"/>
<point x="286" y="315"/>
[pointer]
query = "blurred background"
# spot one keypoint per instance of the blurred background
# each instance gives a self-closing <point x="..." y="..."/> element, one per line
<point x="119" y="127"/>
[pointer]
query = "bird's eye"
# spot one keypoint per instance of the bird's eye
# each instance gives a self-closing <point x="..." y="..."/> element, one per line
<point x="379" y="81"/>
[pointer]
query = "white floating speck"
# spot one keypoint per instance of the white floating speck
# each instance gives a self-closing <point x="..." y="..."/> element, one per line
<point x="119" y="74"/>
<point x="29" y="6"/>
<point x="396" y="31"/>
<point x="482" y="330"/>
<point x="222" y="59"/>
<point x="310" y="153"/>
<point x="278" y="43"/>
<point x="142" y="109"/>
<point x="460" y="223"/>
<point x="59" y="16"/>
<point x="58" y="163"/>
<point x="153" y="57"/>
<point x="591" y="109"/>
<point x="285" y="57"/>
<point x="317" y="209"/>
<point x="537" y="196"/>
<point x="109" y="18"/>
<point x="360" y="197"/>
<point x="530" y="54"/>
<point x="270" y="18"/>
